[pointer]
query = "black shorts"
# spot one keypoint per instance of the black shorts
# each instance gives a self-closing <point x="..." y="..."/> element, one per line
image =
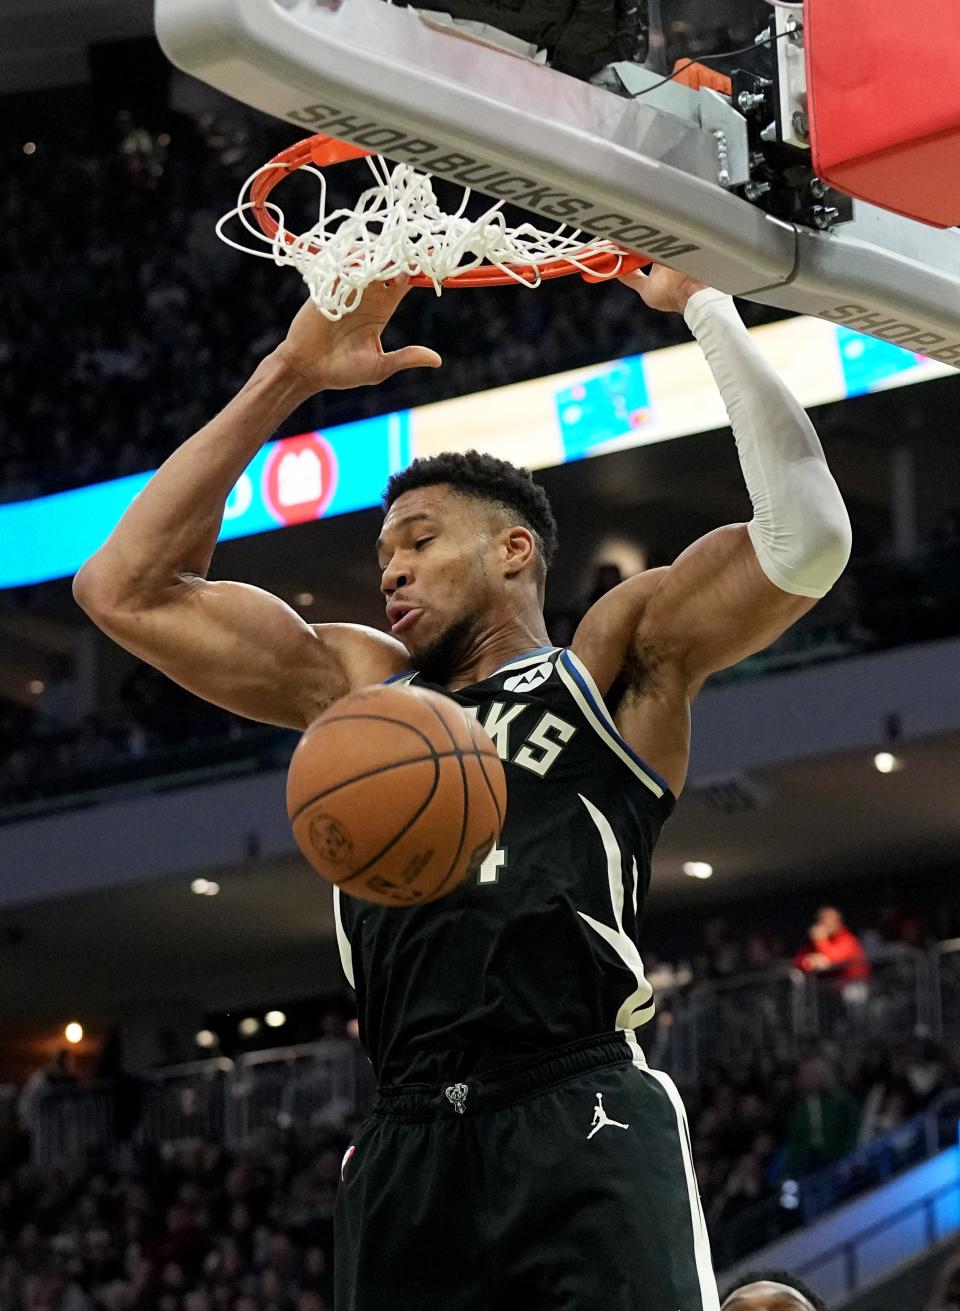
<point x="563" y="1183"/>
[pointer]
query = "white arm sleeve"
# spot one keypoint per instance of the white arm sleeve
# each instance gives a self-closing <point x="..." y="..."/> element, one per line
<point x="800" y="528"/>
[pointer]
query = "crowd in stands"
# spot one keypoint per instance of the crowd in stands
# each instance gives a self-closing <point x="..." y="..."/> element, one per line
<point x="759" y="1133"/>
<point x="197" y="1227"/>
<point x="128" y="324"/>
<point x="57" y="744"/>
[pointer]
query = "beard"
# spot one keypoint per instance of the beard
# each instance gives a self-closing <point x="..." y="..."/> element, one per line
<point x="436" y="662"/>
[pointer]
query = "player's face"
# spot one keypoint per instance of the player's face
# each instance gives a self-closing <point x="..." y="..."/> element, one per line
<point x="439" y="574"/>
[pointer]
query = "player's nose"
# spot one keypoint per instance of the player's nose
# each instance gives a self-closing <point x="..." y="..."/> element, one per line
<point x="393" y="578"/>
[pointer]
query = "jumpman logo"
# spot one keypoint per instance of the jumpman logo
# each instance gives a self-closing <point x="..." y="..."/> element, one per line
<point x="601" y="1120"/>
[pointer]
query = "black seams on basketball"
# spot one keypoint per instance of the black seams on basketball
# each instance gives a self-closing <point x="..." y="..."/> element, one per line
<point x="395" y="794"/>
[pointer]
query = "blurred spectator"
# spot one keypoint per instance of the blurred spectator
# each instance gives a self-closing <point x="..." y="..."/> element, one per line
<point x="606" y="578"/>
<point x="822" y="1121"/>
<point x="718" y="956"/>
<point x="57" y="1073"/>
<point x="835" y="948"/>
<point x="60" y="706"/>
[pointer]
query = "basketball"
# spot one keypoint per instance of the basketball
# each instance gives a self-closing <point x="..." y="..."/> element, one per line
<point x="395" y="795"/>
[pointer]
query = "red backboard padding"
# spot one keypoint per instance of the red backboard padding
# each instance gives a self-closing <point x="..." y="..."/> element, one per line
<point x="883" y="83"/>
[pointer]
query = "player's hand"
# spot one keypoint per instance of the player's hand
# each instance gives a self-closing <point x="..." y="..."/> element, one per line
<point x="662" y="288"/>
<point x="348" y="353"/>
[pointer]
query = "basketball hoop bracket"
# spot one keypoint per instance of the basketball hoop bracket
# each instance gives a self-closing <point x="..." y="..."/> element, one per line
<point x="627" y="170"/>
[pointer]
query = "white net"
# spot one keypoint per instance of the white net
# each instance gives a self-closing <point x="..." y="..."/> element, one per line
<point x="398" y="228"/>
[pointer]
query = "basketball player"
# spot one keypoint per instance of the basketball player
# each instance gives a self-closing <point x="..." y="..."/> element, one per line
<point x="521" y="1154"/>
<point x="771" y="1290"/>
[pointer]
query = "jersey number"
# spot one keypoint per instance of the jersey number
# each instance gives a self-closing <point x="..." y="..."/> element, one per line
<point x="491" y="867"/>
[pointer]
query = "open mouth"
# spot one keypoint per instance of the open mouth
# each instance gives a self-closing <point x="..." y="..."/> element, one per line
<point x="406" y="620"/>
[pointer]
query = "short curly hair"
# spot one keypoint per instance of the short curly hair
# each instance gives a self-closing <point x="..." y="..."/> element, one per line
<point x="485" y="478"/>
<point x="773" y="1277"/>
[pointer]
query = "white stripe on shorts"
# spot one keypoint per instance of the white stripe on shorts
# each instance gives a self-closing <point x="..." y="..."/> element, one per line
<point x="709" y="1296"/>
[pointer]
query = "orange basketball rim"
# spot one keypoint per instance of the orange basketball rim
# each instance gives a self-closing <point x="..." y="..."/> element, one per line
<point x="325" y="151"/>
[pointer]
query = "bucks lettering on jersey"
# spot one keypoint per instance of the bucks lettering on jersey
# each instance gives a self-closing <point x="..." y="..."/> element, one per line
<point x="539" y="948"/>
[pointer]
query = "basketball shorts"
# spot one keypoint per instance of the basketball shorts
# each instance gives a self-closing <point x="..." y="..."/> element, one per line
<point x="562" y="1183"/>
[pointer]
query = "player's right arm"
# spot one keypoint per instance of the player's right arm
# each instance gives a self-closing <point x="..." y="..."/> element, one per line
<point x="228" y="642"/>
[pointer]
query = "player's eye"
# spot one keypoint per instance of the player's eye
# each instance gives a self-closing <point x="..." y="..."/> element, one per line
<point x="418" y="545"/>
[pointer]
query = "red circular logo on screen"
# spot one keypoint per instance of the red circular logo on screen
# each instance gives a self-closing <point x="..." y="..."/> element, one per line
<point x="300" y="478"/>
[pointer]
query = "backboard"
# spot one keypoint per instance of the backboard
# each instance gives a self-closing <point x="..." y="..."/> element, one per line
<point x="717" y="185"/>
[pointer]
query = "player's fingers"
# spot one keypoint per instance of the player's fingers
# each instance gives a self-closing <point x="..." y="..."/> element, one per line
<point x="636" y="278"/>
<point x="410" y="357"/>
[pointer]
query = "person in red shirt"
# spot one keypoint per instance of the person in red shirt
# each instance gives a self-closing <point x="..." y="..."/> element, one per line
<point x="835" y="948"/>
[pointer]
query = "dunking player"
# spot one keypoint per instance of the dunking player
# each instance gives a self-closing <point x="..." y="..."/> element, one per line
<point x="521" y="1154"/>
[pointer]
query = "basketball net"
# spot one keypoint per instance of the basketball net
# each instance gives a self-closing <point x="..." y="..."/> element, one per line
<point x="397" y="228"/>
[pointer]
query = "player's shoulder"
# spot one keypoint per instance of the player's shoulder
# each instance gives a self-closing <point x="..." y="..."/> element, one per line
<point x="604" y="635"/>
<point x="364" y="654"/>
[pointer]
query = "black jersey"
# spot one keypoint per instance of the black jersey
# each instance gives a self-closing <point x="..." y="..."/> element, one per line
<point x="539" y="948"/>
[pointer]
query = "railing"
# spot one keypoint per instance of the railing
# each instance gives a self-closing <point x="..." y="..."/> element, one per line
<point x="739" y="1016"/>
<point x="318" y="1084"/>
<point x="728" y="1022"/>
<point x="803" y="1200"/>
<point x="185" y="1101"/>
<point x="930" y="1208"/>
<point x="312" y="1085"/>
<point x="894" y="1004"/>
<point x="780" y="1011"/>
<point x="73" y="1124"/>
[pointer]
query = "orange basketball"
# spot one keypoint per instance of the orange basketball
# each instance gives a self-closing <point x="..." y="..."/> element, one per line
<point x="395" y="794"/>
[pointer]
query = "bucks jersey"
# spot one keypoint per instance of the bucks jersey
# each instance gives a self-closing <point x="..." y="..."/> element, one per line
<point x="539" y="947"/>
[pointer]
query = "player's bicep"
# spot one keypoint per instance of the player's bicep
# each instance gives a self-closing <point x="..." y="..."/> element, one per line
<point x="236" y="646"/>
<point x="715" y="606"/>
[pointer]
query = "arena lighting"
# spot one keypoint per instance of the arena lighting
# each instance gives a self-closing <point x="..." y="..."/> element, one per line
<point x="885" y="763"/>
<point x="206" y="1038"/>
<point x="73" y="1032"/>
<point x="29" y="147"/>
<point x="698" y="869"/>
<point x="248" y="1026"/>
<point x="36" y="686"/>
<point x="304" y="598"/>
<point x="205" y="887"/>
<point x="274" y="1019"/>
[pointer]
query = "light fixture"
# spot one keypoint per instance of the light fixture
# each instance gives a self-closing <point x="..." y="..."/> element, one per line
<point x="274" y="1019"/>
<point x="73" y="1032"/>
<point x="304" y="598"/>
<point x="36" y="686"/>
<point x="248" y="1026"/>
<point x="697" y="869"/>
<point x="29" y="147"/>
<point x="206" y="1038"/>
<point x="886" y="763"/>
<point x="205" y="887"/>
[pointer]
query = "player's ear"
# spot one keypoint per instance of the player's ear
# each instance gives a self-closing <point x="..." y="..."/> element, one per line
<point x="519" y="550"/>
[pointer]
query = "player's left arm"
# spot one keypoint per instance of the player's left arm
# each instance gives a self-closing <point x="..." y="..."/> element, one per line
<point x="736" y="589"/>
